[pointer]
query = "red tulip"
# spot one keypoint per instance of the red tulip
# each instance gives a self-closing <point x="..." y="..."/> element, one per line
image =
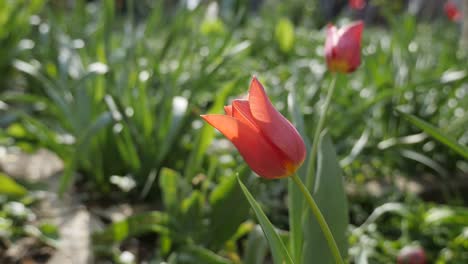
<point x="343" y="47"/>
<point x="357" y="4"/>
<point x="267" y="141"/>
<point x="452" y="12"/>
<point x="411" y="255"/>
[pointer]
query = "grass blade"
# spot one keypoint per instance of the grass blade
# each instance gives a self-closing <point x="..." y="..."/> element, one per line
<point x="436" y="134"/>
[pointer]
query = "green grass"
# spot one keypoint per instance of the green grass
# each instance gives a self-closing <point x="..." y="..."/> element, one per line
<point x="117" y="94"/>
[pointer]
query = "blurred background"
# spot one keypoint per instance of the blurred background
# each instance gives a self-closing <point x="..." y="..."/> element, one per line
<point x="104" y="159"/>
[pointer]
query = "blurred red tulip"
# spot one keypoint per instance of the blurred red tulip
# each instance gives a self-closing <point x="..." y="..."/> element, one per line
<point x="452" y="12"/>
<point x="343" y="47"/>
<point x="411" y="255"/>
<point x="267" y="141"/>
<point x="357" y="4"/>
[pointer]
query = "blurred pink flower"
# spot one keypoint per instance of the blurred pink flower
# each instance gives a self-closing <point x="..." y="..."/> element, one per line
<point x="343" y="47"/>
<point x="411" y="255"/>
<point x="357" y="4"/>
<point x="452" y="12"/>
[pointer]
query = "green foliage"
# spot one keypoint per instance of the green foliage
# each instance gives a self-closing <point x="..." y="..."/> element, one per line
<point x="278" y="249"/>
<point x="206" y="135"/>
<point x="151" y="83"/>
<point x="330" y="197"/>
<point x="155" y="82"/>
<point x="437" y="134"/>
<point x="15" y="17"/>
<point x="132" y="226"/>
<point x="284" y="33"/>
<point x="439" y="229"/>
<point x="296" y="202"/>
<point x="9" y="187"/>
<point x="188" y="221"/>
<point x="256" y="247"/>
<point x="117" y="93"/>
<point x="226" y="196"/>
<point x="19" y="220"/>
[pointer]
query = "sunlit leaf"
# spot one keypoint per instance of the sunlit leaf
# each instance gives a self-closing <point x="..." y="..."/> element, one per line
<point x="168" y="181"/>
<point x="9" y="187"/>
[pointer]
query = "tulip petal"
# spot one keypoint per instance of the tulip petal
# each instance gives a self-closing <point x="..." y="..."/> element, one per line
<point x="241" y="111"/>
<point x="228" y="110"/>
<point x="349" y="44"/>
<point x="260" y="155"/>
<point x="274" y="125"/>
<point x="352" y="31"/>
<point x="330" y="43"/>
<point x="343" y="47"/>
<point x="331" y="38"/>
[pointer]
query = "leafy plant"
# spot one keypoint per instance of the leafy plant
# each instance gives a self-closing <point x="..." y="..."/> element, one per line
<point x="114" y="104"/>
<point x="191" y="215"/>
<point x="391" y="226"/>
<point x="19" y="221"/>
<point x="14" y="29"/>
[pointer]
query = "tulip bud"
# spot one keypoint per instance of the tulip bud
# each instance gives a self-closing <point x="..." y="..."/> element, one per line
<point x="411" y="255"/>
<point x="267" y="141"/>
<point x="343" y="47"/>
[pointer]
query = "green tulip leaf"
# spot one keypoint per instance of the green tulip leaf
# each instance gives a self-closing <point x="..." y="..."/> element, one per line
<point x="329" y="194"/>
<point x="278" y="249"/>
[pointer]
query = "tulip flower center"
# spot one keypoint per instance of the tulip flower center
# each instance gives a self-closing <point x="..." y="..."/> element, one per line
<point x="336" y="65"/>
<point x="290" y="168"/>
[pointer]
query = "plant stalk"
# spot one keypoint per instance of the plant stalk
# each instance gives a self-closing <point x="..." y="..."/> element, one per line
<point x="313" y="153"/>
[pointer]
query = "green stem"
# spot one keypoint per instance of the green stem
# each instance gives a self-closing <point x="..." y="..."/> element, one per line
<point x="318" y="130"/>
<point x="320" y="219"/>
